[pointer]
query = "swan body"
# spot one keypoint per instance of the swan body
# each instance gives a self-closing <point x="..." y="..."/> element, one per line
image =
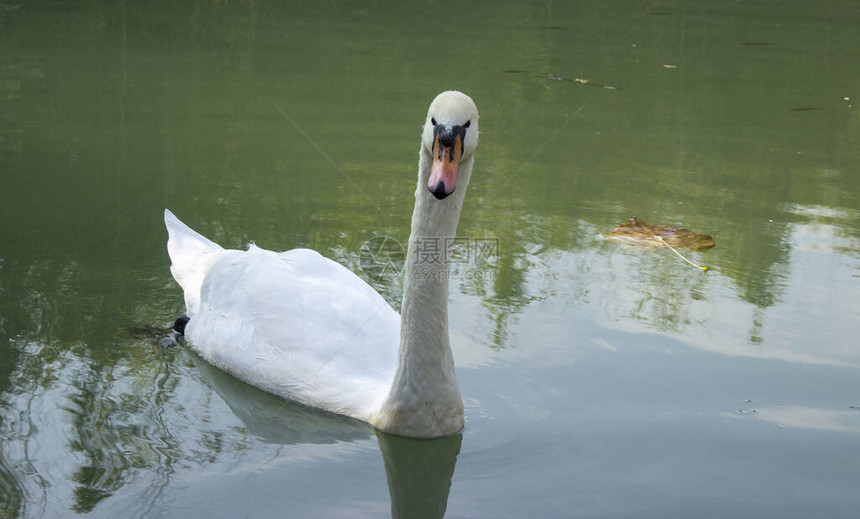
<point x="304" y="327"/>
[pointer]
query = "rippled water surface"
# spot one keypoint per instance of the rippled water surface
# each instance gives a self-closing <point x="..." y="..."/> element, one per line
<point x="599" y="380"/>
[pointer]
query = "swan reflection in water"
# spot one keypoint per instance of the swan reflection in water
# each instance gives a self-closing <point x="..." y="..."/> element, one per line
<point x="419" y="472"/>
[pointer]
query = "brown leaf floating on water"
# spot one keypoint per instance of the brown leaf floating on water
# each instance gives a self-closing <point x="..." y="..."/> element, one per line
<point x="637" y="233"/>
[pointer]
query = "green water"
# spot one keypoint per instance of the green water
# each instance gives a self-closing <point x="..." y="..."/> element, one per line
<point x="599" y="381"/>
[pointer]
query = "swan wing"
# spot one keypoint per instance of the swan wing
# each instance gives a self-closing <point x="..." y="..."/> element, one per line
<point x="294" y="323"/>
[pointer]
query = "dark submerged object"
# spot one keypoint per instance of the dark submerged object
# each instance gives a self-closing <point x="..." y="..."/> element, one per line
<point x="637" y="233"/>
<point x="180" y="323"/>
<point x="176" y="332"/>
<point x="161" y="335"/>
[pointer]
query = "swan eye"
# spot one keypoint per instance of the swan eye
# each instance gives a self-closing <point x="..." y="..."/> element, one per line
<point x="469" y="122"/>
<point x="433" y="121"/>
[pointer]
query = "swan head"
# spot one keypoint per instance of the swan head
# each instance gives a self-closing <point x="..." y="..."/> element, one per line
<point x="450" y="137"/>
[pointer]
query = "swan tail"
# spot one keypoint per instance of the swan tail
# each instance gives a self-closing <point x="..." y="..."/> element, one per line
<point x="190" y="256"/>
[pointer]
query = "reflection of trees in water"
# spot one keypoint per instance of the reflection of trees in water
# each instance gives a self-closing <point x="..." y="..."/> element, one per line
<point x="82" y="397"/>
<point x="68" y="402"/>
<point x="97" y="439"/>
<point x="15" y="426"/>
<point x="11" y="493"/>
<point x="557" y="258"/>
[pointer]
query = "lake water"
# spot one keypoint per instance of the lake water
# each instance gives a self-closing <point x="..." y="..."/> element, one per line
<point x="599" y="380"/>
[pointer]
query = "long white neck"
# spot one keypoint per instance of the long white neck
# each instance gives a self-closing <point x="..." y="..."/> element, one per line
<point x="425" y="399"/>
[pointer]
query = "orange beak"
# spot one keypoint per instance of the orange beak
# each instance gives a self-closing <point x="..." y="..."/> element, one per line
<point x="446" y="160"/>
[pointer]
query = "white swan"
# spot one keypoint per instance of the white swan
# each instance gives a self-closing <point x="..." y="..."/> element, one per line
<point x="304" y="327"/>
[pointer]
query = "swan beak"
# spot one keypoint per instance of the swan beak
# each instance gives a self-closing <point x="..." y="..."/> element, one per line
<point x="447" y="149"/>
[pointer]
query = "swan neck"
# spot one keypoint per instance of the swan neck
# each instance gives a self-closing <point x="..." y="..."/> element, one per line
<point x="425" y="399"/>
<point x="427" y="267"/>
